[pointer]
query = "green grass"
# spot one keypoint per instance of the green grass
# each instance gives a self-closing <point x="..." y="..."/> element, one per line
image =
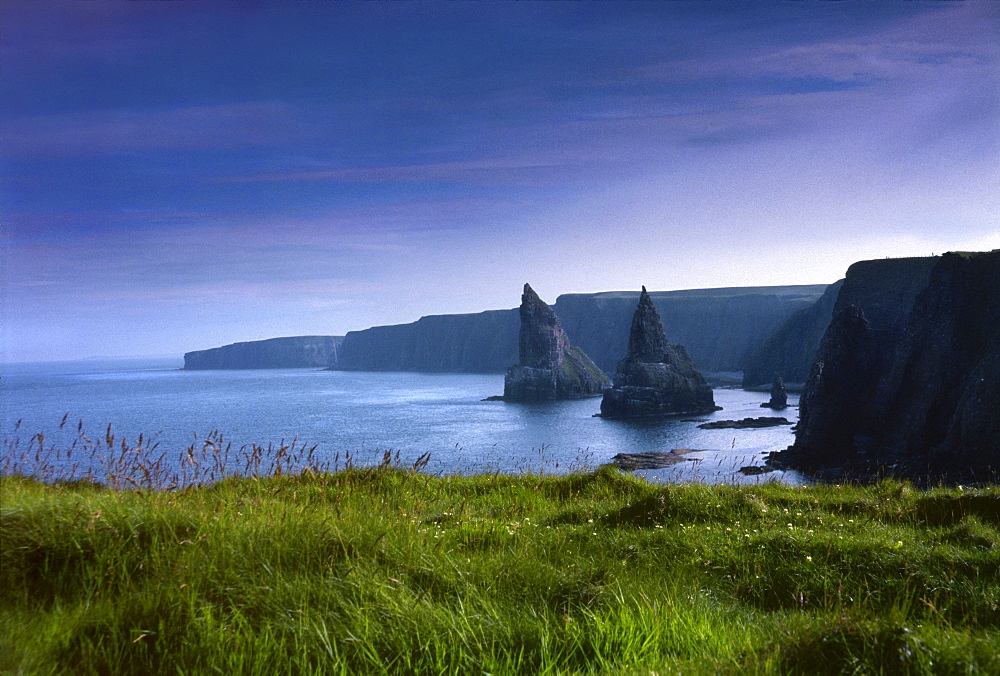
<point x="388" y="571"/>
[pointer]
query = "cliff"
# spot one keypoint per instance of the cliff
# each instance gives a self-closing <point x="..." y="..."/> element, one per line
<point x="485" y="342"/>
<point x="721" y="328"/>
<point x="791" y="350"/>
<point x="907" y="376"/>
<point x="655" y="377"/>
<point x="549" y="367"/>
<point x="292" y="352"/>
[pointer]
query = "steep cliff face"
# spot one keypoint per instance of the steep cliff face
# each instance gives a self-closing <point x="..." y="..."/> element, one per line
<point x="486" y="342"/>
<point x="292" y="352"/>
<point x="908" y="372"/>
<point x="791" y="350"/>
<point x="549" y="367"/>
<point x="720" y="328"/>
<point x="655" y="377"/>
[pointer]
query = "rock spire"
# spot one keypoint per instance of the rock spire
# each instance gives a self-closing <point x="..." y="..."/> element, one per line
<point x="548" y="366"/>
<point x="779" y="398"/>
<point x="655" y="377"/>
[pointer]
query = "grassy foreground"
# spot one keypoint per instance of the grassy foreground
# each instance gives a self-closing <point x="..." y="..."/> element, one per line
<point x="390" y="571"/>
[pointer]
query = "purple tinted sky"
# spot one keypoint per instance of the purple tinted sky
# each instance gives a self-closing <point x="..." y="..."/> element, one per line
<point x="180" y="175"/>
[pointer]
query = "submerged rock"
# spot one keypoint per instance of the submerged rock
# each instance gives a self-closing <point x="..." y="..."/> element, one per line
<point x="745" y="424"/>
<point x="650" y="459"/>
<point x="779" y="398"/>
<point x="756" y="470"/>
<point x="549" y="367"/>
<point x="655" y="377"/>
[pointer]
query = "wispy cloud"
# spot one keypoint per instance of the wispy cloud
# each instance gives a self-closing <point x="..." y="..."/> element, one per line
<point x="209" y="128"/>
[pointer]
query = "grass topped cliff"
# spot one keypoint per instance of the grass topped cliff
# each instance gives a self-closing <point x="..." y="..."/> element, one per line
<point x="389" y="571"/>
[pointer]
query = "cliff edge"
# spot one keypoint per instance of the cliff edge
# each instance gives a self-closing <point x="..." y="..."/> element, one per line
<point x="273" y="353"/>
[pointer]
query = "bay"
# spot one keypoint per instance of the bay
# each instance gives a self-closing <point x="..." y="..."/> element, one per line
<point x="364" y="414"/>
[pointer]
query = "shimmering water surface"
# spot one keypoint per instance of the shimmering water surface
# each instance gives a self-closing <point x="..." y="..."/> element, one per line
<point x="367" y="413"/>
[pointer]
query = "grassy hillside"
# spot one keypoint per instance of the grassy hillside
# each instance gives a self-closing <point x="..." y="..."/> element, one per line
<point x="390" y="571"/>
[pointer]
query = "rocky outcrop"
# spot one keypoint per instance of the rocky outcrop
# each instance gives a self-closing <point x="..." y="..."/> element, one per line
<point x="655" y="377"/>
<point x="745" y="424"/>
<point x="791" y="350"/>
<point x="549" y="367"/>
<point x="720" y="327"/>
<point x="274" y="353"/>
<point x="908" y="373"/>
<point x="779" y="398"/>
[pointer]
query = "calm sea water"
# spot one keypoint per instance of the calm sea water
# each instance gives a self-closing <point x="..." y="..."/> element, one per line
<point x="367" y="413"/>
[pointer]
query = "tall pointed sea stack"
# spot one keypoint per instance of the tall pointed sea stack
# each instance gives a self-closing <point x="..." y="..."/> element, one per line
<point x="655" y="377"/>
<point x="549" y="367"/>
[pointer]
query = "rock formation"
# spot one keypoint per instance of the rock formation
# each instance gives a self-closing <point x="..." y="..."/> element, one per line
<point x="549" y="367"/>
<point x="655" y="377"/>
<point x="274" y="353"/>
<point x="745" y="424"/>
<point x="908" y="373"/>
<point x="779" y="398"/>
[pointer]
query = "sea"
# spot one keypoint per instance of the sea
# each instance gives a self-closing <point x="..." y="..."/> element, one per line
<point x="444" y="418"/>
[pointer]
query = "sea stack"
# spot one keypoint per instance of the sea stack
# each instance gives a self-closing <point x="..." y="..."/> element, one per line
<point x="549" y="367"/>
<point x="779" y="398"/>
<point x="655" y="377"/>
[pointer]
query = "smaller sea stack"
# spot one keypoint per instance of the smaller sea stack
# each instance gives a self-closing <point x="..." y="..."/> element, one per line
<point x="779" y="398"/>
<point x="655" y="377"/>
<point x="549" y="367"/>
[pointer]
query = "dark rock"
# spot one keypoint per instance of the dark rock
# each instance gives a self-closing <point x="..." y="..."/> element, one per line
<point x="494" y="397"/>
<point x="649" y="459"/>
<point x="746" y="423"/>
<point x="274" y="353"/>
<point x="549" y="367"/>
<point x="779" y="398"/>
<point x="655" y="377"/>
<point x="754" y="470"/>
<point x="907" y="377"/>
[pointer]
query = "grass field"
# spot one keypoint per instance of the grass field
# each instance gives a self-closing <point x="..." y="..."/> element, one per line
<point x="384" y="570"/>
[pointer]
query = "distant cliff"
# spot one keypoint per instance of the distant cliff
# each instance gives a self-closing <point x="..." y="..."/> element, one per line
<point x="791" y="350"/>
<point x="486" y="342"/>
<point x="907" y="377"/>
<point x="720" y="328"/>
<point x="293" y="352"/>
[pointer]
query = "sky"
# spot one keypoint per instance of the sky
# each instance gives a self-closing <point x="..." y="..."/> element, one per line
<point x="176" y="176"/>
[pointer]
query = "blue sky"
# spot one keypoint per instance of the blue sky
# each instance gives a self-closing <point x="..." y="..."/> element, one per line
<point x="181" y="175"/>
